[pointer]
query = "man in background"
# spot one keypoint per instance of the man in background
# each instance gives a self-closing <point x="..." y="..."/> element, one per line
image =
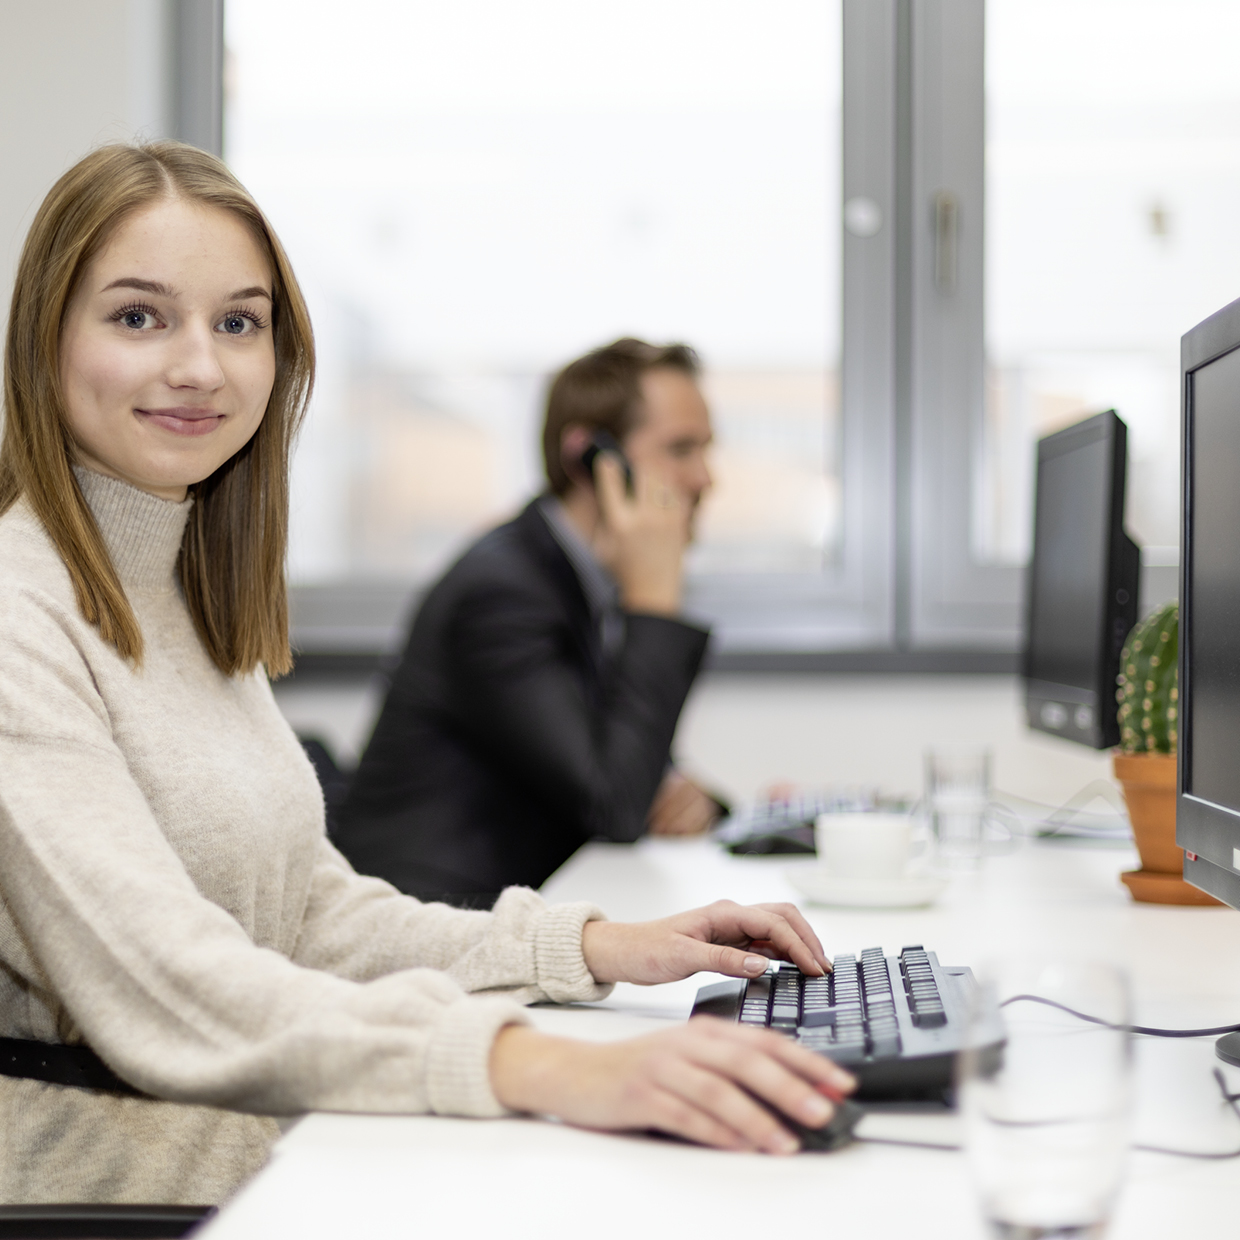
<point x="537" y="698"/>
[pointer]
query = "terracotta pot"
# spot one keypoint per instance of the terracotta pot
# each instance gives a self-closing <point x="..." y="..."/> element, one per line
<point x="1148" y="780"/>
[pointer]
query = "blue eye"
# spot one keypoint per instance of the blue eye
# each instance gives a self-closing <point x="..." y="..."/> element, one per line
<point x="240" y="324"/>
<point x="136" y="318"/>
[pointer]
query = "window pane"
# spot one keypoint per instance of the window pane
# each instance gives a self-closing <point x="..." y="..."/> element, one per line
<point x="475" y="193"/>
<point x="1113" y="194"/>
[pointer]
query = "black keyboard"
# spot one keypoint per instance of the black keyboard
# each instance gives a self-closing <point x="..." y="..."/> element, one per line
<point x="895" y="1022"/>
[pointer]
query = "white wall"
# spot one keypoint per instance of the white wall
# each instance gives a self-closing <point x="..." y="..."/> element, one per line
<point x="73" y="74"/>
<point x="742" y="732"/>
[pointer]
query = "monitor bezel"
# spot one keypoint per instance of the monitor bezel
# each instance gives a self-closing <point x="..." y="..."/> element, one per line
<point x="1122" y="563"/>
<point x="1203" y="829"/>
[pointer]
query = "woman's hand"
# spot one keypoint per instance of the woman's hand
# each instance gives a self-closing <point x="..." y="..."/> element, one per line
<point x="721" y="938"/>
<point x="695" y="1081"/>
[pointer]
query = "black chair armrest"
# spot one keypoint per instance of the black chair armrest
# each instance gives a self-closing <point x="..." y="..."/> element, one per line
<point x="100" y="1222"/>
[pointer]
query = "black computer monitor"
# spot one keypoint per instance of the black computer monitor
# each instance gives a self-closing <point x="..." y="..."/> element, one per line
<point x="1208" y="806"/>
<point x="1083" y="582"/>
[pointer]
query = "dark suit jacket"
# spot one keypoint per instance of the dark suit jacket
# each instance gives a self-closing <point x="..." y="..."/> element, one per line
<point x="508" y="739"/>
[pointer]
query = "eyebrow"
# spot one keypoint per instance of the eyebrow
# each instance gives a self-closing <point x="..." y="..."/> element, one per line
<point x="143" y="286"/>
<point x="162" y="290"/>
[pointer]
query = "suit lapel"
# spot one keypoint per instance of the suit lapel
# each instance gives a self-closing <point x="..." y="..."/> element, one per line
<point x="560" y="575"/>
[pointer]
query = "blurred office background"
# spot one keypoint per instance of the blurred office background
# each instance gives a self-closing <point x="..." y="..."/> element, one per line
<point x="908" y="237"/>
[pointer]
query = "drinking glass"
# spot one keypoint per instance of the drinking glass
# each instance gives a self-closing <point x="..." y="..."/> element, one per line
<point x="1046" y="1115"/>
<point x="957" y="797"/>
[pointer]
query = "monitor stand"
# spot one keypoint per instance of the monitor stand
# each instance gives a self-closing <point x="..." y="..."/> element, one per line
<point x="1227" y="1048"/>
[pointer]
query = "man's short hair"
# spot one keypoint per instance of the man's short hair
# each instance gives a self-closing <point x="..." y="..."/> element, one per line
<point x="602" y="391"/>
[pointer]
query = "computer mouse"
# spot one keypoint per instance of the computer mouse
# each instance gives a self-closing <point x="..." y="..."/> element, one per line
<point x="798" y="840"/>
<point x="836" y="1133"/>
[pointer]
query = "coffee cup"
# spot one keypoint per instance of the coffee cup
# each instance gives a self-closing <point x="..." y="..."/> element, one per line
<point x="864" y="845"/>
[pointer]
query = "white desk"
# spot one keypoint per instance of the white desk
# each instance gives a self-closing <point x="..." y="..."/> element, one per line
<point x="348" y="1176"/>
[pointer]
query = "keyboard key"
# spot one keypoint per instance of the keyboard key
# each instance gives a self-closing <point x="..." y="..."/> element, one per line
<point x="884" y="1046"/>
<point x="816" y="1040"/>
<point x="823" y="1018"/>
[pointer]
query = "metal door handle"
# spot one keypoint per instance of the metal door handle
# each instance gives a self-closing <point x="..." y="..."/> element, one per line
<point x="946" y="229"/>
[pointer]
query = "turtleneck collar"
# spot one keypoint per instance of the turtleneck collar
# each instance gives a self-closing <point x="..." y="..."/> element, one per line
<point x="142" y="532"/>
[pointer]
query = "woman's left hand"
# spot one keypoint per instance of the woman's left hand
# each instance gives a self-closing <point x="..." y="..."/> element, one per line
<point x="723" y="937"/>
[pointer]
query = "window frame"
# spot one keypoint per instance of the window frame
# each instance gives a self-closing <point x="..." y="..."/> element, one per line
<point x="905" y="590"/>
<point x="953" y="600"/>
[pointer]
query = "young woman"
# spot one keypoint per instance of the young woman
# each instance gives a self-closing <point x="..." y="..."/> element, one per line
<point x="170" y="909"/>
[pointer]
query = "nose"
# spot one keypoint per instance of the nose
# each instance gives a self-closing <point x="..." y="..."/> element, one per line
<point x="702" y="479"/>
<point x="193" y="361"/>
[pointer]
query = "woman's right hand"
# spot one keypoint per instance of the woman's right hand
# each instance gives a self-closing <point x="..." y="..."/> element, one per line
<point x="690" y="1082"/>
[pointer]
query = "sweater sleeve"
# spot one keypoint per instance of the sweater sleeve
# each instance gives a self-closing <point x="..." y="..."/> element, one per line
<point x="102" y="919"/>
<point x="363" y="928"/>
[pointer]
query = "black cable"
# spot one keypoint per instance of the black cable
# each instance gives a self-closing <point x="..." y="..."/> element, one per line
<point x="1151" y="1032"/>
<point x="1147" y="1030"/>
<point x="1232" y="1100"/>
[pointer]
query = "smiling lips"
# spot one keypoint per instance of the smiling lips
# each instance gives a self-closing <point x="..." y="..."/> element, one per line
<point x="183" y="420"/>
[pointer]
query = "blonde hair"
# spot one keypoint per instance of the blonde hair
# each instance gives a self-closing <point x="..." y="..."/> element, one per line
<point x="231" y="564"/>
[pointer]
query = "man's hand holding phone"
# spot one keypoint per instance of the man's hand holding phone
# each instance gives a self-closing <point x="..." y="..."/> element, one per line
<point x="641" y="537"/>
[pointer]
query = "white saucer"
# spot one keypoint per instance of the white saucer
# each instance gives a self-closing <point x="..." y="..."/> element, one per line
<point x="823" y="887"/>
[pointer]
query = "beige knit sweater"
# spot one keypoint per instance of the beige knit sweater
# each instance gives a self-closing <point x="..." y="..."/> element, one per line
<point x="168" y="895"/>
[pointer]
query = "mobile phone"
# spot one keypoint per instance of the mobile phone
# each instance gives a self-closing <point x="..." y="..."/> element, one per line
<point x="605" y="441"/>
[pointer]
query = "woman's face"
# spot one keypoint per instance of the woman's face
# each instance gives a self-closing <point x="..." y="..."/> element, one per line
<point x="166" y="356"/>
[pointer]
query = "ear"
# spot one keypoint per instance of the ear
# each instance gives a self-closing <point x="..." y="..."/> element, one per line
<point x="574" y="440"/>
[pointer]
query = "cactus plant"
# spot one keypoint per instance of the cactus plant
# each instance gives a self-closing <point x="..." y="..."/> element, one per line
<point x="1149" y="706"/>
<point x="1149" y="691"/>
